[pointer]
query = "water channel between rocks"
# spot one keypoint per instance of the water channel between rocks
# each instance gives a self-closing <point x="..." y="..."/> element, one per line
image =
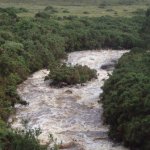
<point x="71" y="114"/>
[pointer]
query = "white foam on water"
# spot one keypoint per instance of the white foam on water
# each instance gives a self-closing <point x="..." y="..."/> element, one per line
<point x="71" y="114"/>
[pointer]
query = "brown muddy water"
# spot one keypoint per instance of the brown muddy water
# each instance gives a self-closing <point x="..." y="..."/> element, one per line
<point x="71" y="114"/>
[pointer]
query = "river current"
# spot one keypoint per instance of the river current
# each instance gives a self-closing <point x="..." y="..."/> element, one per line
<point x="72" y="114"/>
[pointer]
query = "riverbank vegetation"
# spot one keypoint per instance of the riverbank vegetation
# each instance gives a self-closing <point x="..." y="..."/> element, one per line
<point x="19" y="140"/>
<point x="126" y="96"/>
<point x="63" y="75"/>
<point x="126" y="100"/>
<point x="29" y="44"/>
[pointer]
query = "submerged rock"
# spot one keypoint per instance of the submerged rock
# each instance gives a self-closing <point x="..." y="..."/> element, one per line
<point x="68" y="91"/>
<point x="107" y="67"/>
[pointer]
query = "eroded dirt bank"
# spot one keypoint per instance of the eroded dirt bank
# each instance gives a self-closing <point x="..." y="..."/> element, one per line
<point x="71" y="114"/>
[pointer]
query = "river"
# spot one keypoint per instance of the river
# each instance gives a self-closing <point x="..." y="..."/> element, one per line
<point x="72" y="114"/>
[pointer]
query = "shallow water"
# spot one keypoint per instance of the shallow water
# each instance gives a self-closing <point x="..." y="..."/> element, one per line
<point x="71" y="114"/>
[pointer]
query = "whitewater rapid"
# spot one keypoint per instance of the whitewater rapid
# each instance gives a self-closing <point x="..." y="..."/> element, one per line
<point x="72" y="114"/>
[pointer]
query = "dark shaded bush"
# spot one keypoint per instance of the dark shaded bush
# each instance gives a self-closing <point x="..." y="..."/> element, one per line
<point x="109" y="9"/>
<point x="86" y="12"/>
<point x="42" y="15"/>
<point x="50" y="9"/>
<point x="47" y="13"/>
<point x="145" y="31"/>
<point x="66" y="11"/>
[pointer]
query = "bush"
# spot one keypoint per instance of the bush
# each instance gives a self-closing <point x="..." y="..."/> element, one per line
<point x="126" y="100"/>
<point x="13" y="10"/>
<point x="20" y="140"/>
<point x="86" y="12"/>
<point x="66" y="11"/>
<point x="42" y="15"/>
<point x="63" y="75"/>
<point x="145" y="30"/>
<point x="50" y="9"/>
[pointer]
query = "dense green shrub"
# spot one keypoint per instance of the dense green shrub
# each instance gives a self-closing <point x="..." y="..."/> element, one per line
<point x="63" y="75"/>
<point x="145" y="31"/>
<point x="19" y="140"/>
<point x="50" y="10"/>
<point x="103" y="32"/>
<point x="66" y="11"/>
<point x="13" y="10"/>
<point x="44" y="15"/>
<point x="126" y="100"/>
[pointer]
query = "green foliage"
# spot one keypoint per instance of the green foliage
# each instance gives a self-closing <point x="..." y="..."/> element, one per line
<point x="145" y="31"/>
<point x="11" y="59"/>
<point x="63" y="75"/>
<point x="103" y="32"/>
<point x="126" y="100"/>
<point x="50" y="9"/>
<point x="20" y="140"/>
<point x="4" y="36"/>
<point x="81" y="2"/>
<point x="139" y="12"/>
<point x="29" y="44"/>
<point x="13" y="10"/>
<point x="65" y="11"/>
<point x="42" y="15"/>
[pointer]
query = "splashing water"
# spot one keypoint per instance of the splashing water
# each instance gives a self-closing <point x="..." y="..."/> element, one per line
<point x="71" y="114"/>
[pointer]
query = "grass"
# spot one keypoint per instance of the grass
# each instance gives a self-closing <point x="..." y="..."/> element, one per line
<point x="78" y="10"/>
<point x="80" y="2"/>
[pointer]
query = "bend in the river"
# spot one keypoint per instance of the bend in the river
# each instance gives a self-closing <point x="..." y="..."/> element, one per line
<point x="71" y="114"/>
